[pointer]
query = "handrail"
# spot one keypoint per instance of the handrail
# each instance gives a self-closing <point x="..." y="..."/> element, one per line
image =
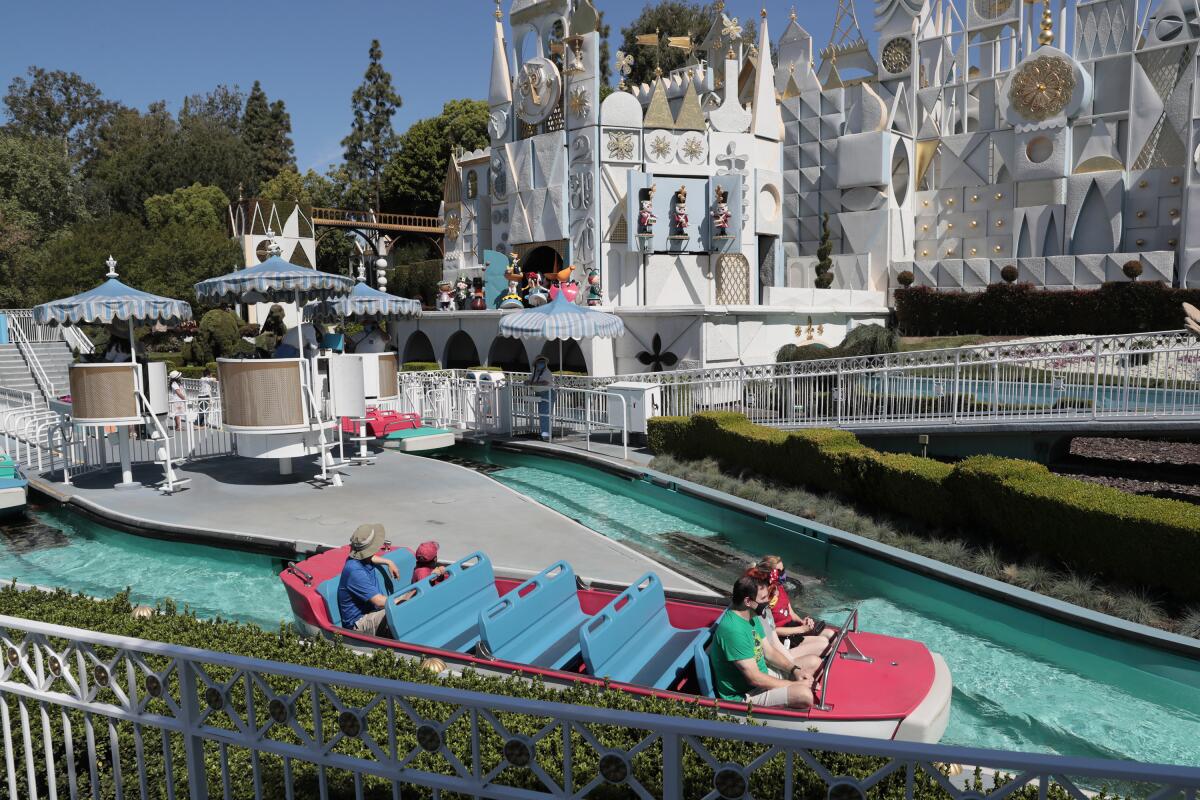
<point x="35" y="366"/>
<point x="826" y="669"/>
<point x="22" y="318"/>
<point x="78" y="340"/>
<point x="343" y="217"/>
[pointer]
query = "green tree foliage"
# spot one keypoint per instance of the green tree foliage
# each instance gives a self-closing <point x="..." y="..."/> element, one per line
<point x="824" y="265"/>
<point x="372" y="142"/>
<point x="266" y="129"/>
<point x="38" y="191"/>
<point x="670" y="18"/>
<point x="60" y="106"/>
<point x="135" y="160"/>
<point x="209" y="147"/>
<point x="414" y="179"/>
<point x="604" y="29"/>
<point x="196" y="205"/>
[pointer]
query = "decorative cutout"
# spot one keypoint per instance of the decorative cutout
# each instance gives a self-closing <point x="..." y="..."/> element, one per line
<point x="992" y="9"/>
<point x="656" y="359"/>
<point x="620" y="145"/>
<point x="897" y="55"/>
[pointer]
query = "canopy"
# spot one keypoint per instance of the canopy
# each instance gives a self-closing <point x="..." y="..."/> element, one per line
<point x="363" y="302"/>
<point x="561" y="319"/>
<point x="112" y="301"/>
<point x="271" y="281"/>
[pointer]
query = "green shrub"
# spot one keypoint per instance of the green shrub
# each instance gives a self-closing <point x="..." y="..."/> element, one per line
<point x="1019" y="505"/>
<point x="869" y="340"/>
<point x="420" y="366"/>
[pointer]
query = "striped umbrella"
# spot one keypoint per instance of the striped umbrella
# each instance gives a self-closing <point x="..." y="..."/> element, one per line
<point x="561" y="319"/>
<point x="363" y="302"/>
<point x="273" y="280"/>
<point x="112" y="301"/>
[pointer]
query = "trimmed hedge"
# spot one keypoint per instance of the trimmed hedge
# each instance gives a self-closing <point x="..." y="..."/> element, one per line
<point x="1021" y="308"/>
<point x="114" y="617"/>
<point x="1020" y="505"/>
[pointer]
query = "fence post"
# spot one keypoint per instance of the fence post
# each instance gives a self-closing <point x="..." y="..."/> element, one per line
<point x="672" y="767"/>
<point x="839" y="395"/>
<point x="996" y="386"/>
<point x="1096" y="380"/>
<point x="954" y="387"/>
<point x="193" y="740"/>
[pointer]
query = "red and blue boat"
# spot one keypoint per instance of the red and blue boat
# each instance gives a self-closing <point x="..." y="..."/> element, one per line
<point x="641" y="639"/>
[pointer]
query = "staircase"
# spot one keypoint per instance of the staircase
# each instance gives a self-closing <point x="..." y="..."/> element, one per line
<point x="55" y="358"/>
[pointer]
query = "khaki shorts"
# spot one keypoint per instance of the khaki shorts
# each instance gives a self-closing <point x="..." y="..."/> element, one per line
<point x="777" y="697"/>
<point x="371" y="624"/>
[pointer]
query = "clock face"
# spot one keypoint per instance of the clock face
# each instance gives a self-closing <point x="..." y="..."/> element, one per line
<point x="538" y="85"/>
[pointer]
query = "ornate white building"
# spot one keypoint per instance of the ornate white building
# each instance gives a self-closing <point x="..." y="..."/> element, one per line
<point x="976" y="138"/>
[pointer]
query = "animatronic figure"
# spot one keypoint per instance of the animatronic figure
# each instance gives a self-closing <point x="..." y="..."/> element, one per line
<point x="478" y="303"/>
<point x="512" y="298"/>
<point x="646" y="218"/>
<point x="594" y="297"/>
<point x="445" y="300"/>
<point x="720" y="214"/>
<point x="679" y="215"/>
<point x="535" y="293"/>
<point x="462" y="293"/>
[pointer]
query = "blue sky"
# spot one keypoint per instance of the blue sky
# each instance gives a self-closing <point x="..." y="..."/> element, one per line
<point x="311" y="54"/>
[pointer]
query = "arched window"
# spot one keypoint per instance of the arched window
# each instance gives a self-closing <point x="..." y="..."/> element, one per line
<point x="472" y="185"/>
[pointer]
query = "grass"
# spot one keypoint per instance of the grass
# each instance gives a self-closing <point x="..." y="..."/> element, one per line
<point x="1130" y="603"/>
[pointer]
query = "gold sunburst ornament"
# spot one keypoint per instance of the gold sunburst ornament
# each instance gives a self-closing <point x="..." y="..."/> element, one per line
<point x="661" y="146"/>
<point x="579" y="102"/>
<point x="452" y="226"/>
<point x="693" y="148"/>
<point x="1042" y="88"/>
<point x="620" y="145"/>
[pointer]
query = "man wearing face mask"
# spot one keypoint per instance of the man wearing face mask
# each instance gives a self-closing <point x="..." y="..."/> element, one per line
<point x="740" y="661"/>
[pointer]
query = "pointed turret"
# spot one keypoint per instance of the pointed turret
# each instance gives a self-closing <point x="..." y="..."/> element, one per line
<point x="767" y="121"/>
<point x="795" y="54"/>
<point x="501" y="89"/>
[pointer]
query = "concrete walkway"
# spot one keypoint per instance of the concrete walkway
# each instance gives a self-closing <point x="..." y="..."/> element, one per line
<point x="246" y="501"/>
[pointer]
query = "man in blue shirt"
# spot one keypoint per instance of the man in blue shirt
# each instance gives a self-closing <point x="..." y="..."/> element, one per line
<point x="360" y="602"/>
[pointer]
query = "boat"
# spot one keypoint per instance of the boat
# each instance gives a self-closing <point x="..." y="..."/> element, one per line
<point x="640" y="639"/>
<point x="13" y="486"/>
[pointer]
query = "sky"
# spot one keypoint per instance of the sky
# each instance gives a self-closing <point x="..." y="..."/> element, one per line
<point x="311" y="54"/>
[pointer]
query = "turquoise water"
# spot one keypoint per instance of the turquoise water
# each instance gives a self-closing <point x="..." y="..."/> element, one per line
<point x="60" y="549"/>
<point x="1021" y="682"/>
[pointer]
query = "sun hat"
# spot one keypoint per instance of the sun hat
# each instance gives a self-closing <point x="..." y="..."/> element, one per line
<point x="427" y="551"/>
<point x="174" y="374"/>
<point x="366" y="540"/>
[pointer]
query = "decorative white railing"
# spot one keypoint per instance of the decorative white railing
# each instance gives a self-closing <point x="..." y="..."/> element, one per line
<point x="44" y="384"/>
<point x="568" y="412"/>
<point x="90" y="714"/>
<point x="21" y="319"/>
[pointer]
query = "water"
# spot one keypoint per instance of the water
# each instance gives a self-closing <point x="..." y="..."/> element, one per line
<point x="1021" y="682"/>
<point x="60" y="549"/>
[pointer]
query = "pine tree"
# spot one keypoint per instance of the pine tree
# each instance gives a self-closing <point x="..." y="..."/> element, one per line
<point x="266" y="129"/>
<point x="824" y="265"/>
<point x="372" y="141"/>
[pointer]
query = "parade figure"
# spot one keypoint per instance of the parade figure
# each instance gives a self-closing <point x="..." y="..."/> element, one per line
<point x="679" y="215"/>
<point x="646" y="218"/>
<point x="720" y="214"/>
<point x="535" y="293"/>
<point x="594" y="298"/>
<point x="462" y="293"/>
<point x="478" y="303"/>
<point x="445" y="301"/>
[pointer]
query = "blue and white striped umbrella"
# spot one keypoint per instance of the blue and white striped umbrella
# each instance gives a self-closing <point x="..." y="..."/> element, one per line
<point x="112" y="301"/>
<point x="273" y="280"/>
<point x="363" y="302"/>
<point x="561" y="319"/>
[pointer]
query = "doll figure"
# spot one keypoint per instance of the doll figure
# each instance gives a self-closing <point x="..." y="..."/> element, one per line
<point x="462" y="293"/>
<point x="478" y="303"/>
<point x="535" y="293"/>
<point x="594" y="297"/>
<point x="445" y="300"/>
<point x="720" y="214"/>
<point x="679" y="215"/>
<point x="512" y="297"/>
<point x="646" y="218"/>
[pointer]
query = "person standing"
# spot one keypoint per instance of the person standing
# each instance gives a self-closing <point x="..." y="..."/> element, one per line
<point x="176" y="396"/>
<point x="205" y="397"/>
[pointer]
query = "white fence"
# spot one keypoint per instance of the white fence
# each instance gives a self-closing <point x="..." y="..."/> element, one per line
<point x="89" y="714"/>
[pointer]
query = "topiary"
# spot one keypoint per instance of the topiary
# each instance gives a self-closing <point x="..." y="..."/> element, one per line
<point x="1009" y="273"/>
<point x="905" y="278"/>
<point x="222" y="329"/>
<point x="1132" y="269"/>
<point x="869" y="340"/>
<point x="824" y="265"/>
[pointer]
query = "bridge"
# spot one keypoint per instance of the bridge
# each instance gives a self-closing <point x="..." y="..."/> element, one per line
<point x="390" y="223"/>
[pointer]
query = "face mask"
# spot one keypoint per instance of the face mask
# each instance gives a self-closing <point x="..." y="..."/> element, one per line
<point x="782" y="576"/>
<point x="761" y="610"/>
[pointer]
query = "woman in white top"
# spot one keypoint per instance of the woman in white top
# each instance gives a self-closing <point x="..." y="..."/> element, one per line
<point x="176" y="396"/>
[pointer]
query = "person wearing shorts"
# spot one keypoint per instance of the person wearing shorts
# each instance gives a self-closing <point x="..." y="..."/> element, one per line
<point x="741" y="665"/>
<point x="360" y="603"/>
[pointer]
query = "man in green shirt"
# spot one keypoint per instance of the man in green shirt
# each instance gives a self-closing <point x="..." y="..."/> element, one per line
<point x="740" y="660"/>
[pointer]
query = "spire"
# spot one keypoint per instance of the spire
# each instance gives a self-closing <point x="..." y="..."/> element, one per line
<point x="767" y="120"/>
<point x="501" y="89"/>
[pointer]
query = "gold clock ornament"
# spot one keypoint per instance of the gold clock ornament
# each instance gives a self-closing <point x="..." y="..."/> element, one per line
<point x="1042" y="88"/>
<point x="538" y="89"/>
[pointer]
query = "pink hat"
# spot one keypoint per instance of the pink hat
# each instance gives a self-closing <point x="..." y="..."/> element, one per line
<point x="427" y="551"/>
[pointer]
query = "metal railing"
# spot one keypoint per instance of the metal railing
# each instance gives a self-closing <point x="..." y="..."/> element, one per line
<point x="91" y="714"/>
<point x="346" y="218"/>
<point x="44" y="384"/>
<point x="77" y="340"/>
<point x="565" y="412"/>
<point x="21" y="319"/>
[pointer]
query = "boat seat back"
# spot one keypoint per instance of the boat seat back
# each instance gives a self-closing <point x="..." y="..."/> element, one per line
<point x="632" y="639"/>
<point x="328" y="589"/>
<point x="445" y="613"/>
<point x="704" y="675"/>
<point x="530" y="623"/>
<point x="405" y="563"/>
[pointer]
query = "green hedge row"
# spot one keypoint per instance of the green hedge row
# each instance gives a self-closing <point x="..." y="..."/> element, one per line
<point x="1020" y="505"/>
<point x="114" y="616"/>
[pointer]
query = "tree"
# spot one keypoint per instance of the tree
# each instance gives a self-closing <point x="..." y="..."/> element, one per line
<point x="135" y="160"/>
<point x="38" y="191"/>
<point x="208" y="151"/>
<point x="194" y="206"/>
<point x="266" y="129"/>
<point x="670" y="18"/>
<point x="824" y="265"/>
<point x="288" y="186"/>
<point x="413" y="181"/>
<point x="222" y="106"/>
<point x="61" y="106"/>
<point x="604" y="29"/>
<point x="372" y="141"/>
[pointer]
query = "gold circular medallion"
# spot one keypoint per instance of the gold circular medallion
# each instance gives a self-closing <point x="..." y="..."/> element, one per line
<point x="1042" y="88"/>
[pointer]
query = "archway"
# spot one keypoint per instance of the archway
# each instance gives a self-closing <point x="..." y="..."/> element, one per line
<point x="542" y="259"/>
<point x="508" y="354"/>
<point x="460" y="352"/>
<point x="572" y="356"/>
<point x="419" y="348"/>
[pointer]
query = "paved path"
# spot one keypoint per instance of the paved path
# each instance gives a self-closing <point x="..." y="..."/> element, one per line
<point x="245" y="500"/>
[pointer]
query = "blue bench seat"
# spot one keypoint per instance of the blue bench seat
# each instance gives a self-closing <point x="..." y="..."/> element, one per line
<point x="445" y="613"/>
<point x="404" y="560"/>
<point x="632" y="640"/>
<point x="704" y="676"/>
<point x="537" y="623"/>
